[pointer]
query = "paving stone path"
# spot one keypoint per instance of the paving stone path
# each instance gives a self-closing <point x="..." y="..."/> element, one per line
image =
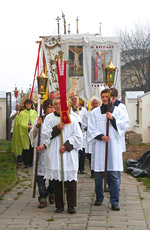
<point x="18" y="210"/>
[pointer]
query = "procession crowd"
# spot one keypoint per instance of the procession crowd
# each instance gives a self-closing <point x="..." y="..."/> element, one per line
<point x="52" y="140"/>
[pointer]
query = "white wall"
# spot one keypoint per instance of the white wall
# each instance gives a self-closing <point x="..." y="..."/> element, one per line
<point x="144" y="126"/>
<point x="131" y="108"/>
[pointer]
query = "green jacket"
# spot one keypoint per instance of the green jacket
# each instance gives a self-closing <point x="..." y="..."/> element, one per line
<point x="24" y="118"/>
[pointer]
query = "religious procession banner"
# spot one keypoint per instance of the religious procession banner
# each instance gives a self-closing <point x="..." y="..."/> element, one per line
<point x="86" y="57"/>
<point x="61" y="71"/>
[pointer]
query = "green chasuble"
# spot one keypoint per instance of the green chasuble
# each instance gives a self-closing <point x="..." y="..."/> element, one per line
<point x="25" y="117"/>
<point x="16" y="146"/>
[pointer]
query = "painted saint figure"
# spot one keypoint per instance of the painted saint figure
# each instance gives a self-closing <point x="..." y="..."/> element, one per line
<point x="98" y="67"/>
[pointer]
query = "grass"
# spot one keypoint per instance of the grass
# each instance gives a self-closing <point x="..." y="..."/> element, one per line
<point x="5" y="145"/>
<point x="145" y="180"/>
<point x="143" y="144"/>
<point x="7" y="167"/>
<point x="50" y="220"/>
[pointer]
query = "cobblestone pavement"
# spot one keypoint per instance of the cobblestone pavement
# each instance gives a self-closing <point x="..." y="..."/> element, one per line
<point x="18" y="210"/>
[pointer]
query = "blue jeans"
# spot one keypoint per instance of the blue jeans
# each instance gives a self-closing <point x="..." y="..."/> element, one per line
<point x="119" y="175"/>
<point x="114" y="183"/>
<point x="42" y="186"/>
<point x="43" y="191"/>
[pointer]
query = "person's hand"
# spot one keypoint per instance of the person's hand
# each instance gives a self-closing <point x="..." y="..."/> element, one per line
<point x="29" y="126"/>
<point x="109" y="116"/>
<point x="39" y="122"/>
<point x="105" y="138"/>
<point x="60" y="125"/>
<point x="76" y="106"/>
<point x="63" y="149"/>
<point x="40" y="148"/>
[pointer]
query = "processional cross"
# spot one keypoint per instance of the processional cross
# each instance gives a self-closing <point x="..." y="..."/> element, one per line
<point x="58" y="19"/>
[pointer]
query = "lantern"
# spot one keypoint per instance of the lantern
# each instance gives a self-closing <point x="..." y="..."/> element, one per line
<point x="22" y="93"/>
<point x="110" y="74"/>
<point x="42" y="83"/>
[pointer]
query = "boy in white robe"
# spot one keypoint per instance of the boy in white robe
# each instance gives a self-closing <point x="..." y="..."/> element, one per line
<point x="72" y="142"/>
<point x="41" y="181"/>
<point x="97" y="135"/>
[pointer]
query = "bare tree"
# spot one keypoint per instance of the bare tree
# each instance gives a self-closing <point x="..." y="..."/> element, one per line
<point x="135" y="58"/>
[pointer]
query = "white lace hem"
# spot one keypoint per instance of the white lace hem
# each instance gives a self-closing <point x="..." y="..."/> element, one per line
<point x="56" y="175"/>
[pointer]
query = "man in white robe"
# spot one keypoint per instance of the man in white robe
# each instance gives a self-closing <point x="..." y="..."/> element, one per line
<point x="89" y="150"/>
<point x="97" y="135"/>
<point x="79" y="111"/>
<point x="122" y="107"/>
<point x="72" y="142"/>
<point x="123" y="110"/>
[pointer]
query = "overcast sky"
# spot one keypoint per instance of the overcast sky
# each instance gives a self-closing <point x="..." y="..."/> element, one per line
<point x="23" y="21"/>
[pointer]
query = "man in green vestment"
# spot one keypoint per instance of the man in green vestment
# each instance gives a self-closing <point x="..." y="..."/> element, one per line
<point x="25" y="121"/>
<point x="16" y="146"/>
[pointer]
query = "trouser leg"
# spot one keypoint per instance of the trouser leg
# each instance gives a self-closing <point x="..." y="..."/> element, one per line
<point x="114" y="187"/>
<point x="26" y="156"/>
<point x="81" y="159"/>
<point x="89" y="158"/>
<point x="19" y="159"/>
<point x="71" y="193"/>
<point x="41" y="186"/>
<point x="58" y="194"/>
<point x="50" y="191"/>
<point x="98" y="176"/>
<point x="119" y="174"/>
<point x="50" y="188"/>
<point x="31" y="155"/>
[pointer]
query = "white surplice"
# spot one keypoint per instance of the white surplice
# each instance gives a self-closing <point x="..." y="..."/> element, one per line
<point x="124" y="113"/>
<point x="33" y="134"/>
<point x="80" y="117"/>
<point x="73" y="134"/>
<point x="96" y="126"/>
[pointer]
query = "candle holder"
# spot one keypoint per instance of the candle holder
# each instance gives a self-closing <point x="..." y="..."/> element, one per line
<point x="22" y="93"/>
<point x="110" y="74"/>
<point x="42" y="83"/>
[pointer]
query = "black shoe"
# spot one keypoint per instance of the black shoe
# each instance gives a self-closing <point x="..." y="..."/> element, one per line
<point x="59" y="210"/>
<point x="71" y="210"/>
<point x="115" y="207"/>
<point x="82" y="172"/>
<point x="98" y="203"/>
